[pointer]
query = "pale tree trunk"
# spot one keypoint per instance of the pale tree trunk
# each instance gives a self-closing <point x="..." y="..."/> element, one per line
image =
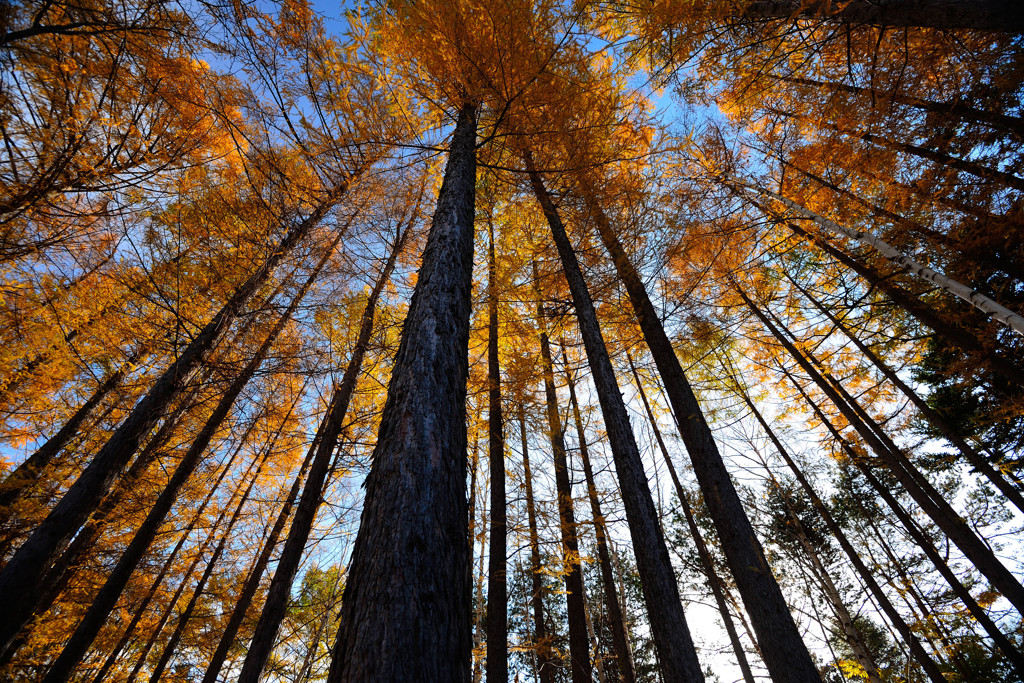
<point x="545" y="667"/>
<point x="410" y="563"/>
<point x="579" y="646"/>
<point x="497" y="590"/>
<point x="1013" y="320"/>
<point x="620" y="639"/>
<point x="779" y="640"/>
<point x="676" y="652"/>
<point x="706" y="561"/>
<point x="20" y="576"/>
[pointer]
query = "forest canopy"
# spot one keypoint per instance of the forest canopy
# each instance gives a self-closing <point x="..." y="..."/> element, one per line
<point x="533" y="340"/>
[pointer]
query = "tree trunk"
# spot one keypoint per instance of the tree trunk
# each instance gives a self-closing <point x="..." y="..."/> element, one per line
<point x="19" y="578"/>
<point x="252" y="582"/>
<point x="620" y="639"/>
<point x="933" y="418"/>
<point x="579" y="643"/>
<point x="545" y="667"/>
<point x="930" y="500"/>
<point x="981" y="15"/>
<point x="497" y="589"/>
<point x="706" y="561"/>
<point x="671" y="634"/>
<point x="262" y="644"/>
<point x="904" y="263"/>
<point x="779" y="639"/>
<point x="916" y="649"/>
<point x="118" y="578"/>
<point x="410" y="562"/>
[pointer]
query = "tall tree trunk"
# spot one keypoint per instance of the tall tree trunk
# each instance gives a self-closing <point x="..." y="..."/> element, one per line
<point x="26" y="474"/>
<point x="904" y="263"/>
<point x="19" y="577"/>
<point x="410" y="563"/>
<point x="262" y="643"/>
<point x="497" y="590"/>
<point x="671" y="634"/>
<point x="852" y="634"/>
<point x="1012" y="653"/>
<point x="779" y="639"/>
<point x="579" y="642"/>
<point x="197" y="592"/>
<point x="982" y="15"/>
<point x="956" y="108"/>
<point x="895" y="618"/>
<point x="923" y="493"/>
<point x="252" y="581"/>
<point x="706" y="561"/>
<point x="948" y="331"/>
<point x="129" y="630"/>
<point x="545" y="667"/>
<point x="105" y="600"/>
<point x="620" y="639"/>
<point x="933" y="418"/>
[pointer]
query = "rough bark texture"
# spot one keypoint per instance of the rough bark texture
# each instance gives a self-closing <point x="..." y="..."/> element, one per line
<point x="707" y="563"/>
<point x="407" y="605"/>
<point x="576" y="609"/>
<point x="278" y="594"/>
<point x="19" y="578"/>
<point x="675" y="648"/>
<point x="620" y="640"/>
<point x="983" y="15"/>
<point x="783" y="649"/>
<point x="497" y="590"/>
<point x="545" y="668"/>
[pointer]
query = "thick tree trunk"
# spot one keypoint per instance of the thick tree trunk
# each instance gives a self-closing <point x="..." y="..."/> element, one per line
<point x="579" y="642"/>
<point x="707" y="563"/>
<point x="672" y="639"/>
<point x="19" y="578"/>
<point x="262" y="644"/>
<point x="783" y="649"/>
<point x="982" y="15"/>
<point x="923" y="493"/>
<point x="497" y="590"/>
<point x="105" y="600"/>
<point x="904" y="263"/>
<point x="545" y="667"/>
<point x="410" y="563"/>
<point x="620" y="639"/>
<point x="970" y="455"/>
<point x="895" y="618"/>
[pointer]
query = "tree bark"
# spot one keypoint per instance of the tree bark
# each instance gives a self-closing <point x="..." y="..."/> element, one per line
<point x="579" y="642"/>
<point x="19" y="577"/>
<point x="410" y="562"/>
<point x="497" y="589"/>
<point x="545" y="667"/>
<point x="1002" y="16"/>
<point x="620" y="639"/>
<point x="895" y="618"/>
<point x="673" y="643"/>
<point x="262" y="643"/>
<point x="99" y="611"/>
<point x="783" y="649"/>
<point x="706" y="561"/>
